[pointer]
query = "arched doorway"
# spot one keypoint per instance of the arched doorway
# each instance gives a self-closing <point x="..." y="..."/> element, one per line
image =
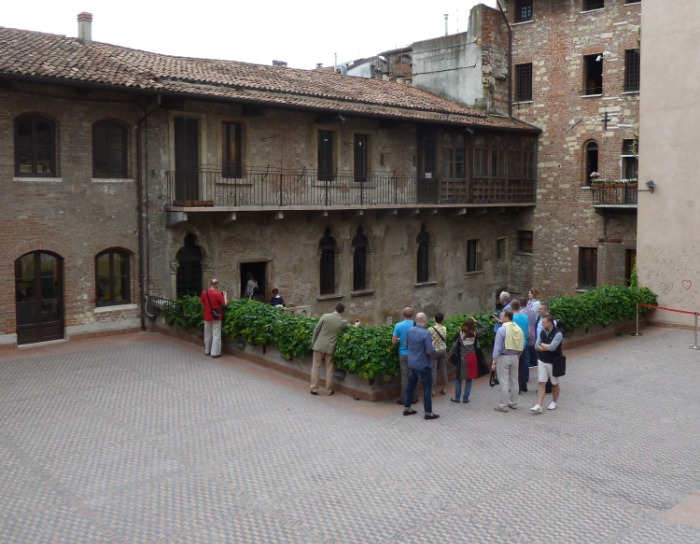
<point x="189" y="268"/>
<point x="39" y="296"/>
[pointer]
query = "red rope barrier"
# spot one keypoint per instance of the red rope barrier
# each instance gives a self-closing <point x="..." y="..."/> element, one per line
<point x="667" y="309"/>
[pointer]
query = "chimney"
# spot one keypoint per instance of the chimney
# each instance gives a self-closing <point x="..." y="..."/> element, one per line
<point x="85" y="26"/>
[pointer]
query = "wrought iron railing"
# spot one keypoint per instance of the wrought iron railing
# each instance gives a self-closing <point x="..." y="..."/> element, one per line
<point x="614" y="194"/>
<point x="276" y="188"/>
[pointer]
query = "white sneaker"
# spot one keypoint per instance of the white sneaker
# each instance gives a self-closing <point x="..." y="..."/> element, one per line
<point x="552" y="405"/>
<point x="537" y="409"/>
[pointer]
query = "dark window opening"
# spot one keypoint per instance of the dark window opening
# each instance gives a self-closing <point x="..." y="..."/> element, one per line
<point x="593" y="74"/>
<point x="361" y="157"/>
<point x="632" y="72"/>
<point x="593" y="4"/>
<point x="523" y="10"/>
<point x="501" y="249"/>
<point x="326" y="156"/>
<point x="587" y="267"/>
<point x="112" y="281"/>
<point x="423" y="256"/>
<point x="591" y="158"/>
<point x="326" y="248"/>
<point x="232" y="153"/>
<point x="525" y="241"/>
<point x="523" y="82"/>
<point x="109" y="150"/>
<point x="454" y="152"/>
<point x="473" y="256"/>
<point x="359" y="260"/>
<point x="35" y="146"/>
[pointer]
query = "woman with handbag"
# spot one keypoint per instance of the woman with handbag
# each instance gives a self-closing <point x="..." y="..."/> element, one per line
<point x="464" y="355"/>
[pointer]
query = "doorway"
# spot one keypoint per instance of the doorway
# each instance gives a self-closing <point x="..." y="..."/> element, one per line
<point x="258" y="270"/>
<point x="186" y="159"/>
<point x="39" y="296"/>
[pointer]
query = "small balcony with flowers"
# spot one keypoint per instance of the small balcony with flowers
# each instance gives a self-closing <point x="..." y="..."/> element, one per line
<point x="613" y="193"/>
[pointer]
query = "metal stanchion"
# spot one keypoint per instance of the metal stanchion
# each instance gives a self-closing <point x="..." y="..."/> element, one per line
<point x="637" y="333"/>
<point x="695" y="344"/>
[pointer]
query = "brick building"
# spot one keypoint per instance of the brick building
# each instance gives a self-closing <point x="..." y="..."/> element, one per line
<point x="127" y="173"/>
<point x="571" y="68"/>
<point x="576" y="75"/>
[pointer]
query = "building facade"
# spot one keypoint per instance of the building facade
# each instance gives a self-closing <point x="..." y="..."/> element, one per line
<point x="128" y="174"/>
<point x="669" y="224"/>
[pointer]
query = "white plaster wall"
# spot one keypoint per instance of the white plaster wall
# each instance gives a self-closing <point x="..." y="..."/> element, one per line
<point x="668" y="237"/>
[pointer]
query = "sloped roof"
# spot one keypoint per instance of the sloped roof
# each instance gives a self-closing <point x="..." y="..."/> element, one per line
<point x="64" y="59"/>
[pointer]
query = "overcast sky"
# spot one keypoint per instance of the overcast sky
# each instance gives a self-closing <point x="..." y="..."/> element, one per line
<point x="302" y="33"/>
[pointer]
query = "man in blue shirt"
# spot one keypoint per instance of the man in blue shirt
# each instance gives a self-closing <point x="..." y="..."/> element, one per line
<point x="399" y="337"/>
<point x="522" y="321"/>
<point x="420" y="367"/>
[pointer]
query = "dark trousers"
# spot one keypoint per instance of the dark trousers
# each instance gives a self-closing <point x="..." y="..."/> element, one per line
<point x="425" y="375"/>
<point x="524" y="369"/>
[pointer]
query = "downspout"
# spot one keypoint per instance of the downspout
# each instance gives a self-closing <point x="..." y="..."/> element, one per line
<point x="510" y="60"/>
<point x="143" y="208"/>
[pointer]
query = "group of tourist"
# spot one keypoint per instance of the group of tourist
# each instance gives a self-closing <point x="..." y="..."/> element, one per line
<point x="526" y="335"/>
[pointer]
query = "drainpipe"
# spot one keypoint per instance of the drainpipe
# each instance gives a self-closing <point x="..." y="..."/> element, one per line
<point x="510" y="60"/>
<point x="143" y="208"/>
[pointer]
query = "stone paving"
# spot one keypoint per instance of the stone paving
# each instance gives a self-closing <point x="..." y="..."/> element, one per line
<point x="141" y="438"/>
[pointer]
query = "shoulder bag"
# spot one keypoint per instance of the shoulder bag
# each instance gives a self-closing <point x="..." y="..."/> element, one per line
<point x="215" y="313"/>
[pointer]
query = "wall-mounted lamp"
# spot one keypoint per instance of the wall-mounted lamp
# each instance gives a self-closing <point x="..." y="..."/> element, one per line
<point x="599" y="58"/>
<point x="651" y="185"/>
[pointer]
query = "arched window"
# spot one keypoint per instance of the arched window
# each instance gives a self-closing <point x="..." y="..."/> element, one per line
<point x="112" y="277"/>
<point x="423" y="255"/>
<point x="590" y="159"/>
<point x="326" y="248"/>
<point x="189" y="268"/>
<point x="35" y="146"/>
<point x="109" y="149"/>
<point x="359" y="260"/>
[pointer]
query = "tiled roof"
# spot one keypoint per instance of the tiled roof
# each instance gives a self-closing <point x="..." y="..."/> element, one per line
<point x="64" y="59"/>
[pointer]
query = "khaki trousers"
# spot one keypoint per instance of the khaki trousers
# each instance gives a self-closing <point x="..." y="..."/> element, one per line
<point x="318" y="358"/>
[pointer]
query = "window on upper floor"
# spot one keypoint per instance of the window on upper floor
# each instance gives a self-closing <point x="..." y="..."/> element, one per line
<point x="587" y="267"/>
<point x="593" y="4"/>
<point x="590" y="159"/>
<point x="593" y="74"/>
<point x="423" y="255"/>
<point x="326" y="155"/>
<point x="109" y="149"/>
<point x="327" y="249"/>
<point x="523" y="82"/>
<point x="501" y="249"/>
<point x="473" y="256"/>
<point x="35" y="146"/>
<point x="525" y="238"/>
<point x="232" y="151"/>
<point x="523" y="10"/>
<point x="360" y="246"/>
<point x="454" y="152"/>
<point x="112" y="277"/>
<point x="632" y="72"/>
<point x="628" y="159"/>
<point x="361" y="157"/>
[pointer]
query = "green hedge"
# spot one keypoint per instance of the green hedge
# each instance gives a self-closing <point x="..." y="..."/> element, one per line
<point x="367" y="350"/>
<point x="601" y="306"/>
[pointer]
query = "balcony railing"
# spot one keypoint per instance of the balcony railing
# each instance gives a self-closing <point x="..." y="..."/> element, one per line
<point x="275" y="188"/>
<point x="612" y="194"/>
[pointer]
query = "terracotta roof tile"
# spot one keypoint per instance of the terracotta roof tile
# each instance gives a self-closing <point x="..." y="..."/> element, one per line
<point x="40" y="55"/>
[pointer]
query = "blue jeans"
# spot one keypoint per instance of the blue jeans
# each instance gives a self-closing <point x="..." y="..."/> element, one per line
<point x="467" y="389"/>
<point x="524" y="369"/>
<point x="425" y="375"/>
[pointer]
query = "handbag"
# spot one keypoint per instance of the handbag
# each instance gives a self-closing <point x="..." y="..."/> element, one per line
<point x="493" y="380"/>
<point x="558" y="366"/>
<point x="215" y="313"/>
<point x="453" y="355"/>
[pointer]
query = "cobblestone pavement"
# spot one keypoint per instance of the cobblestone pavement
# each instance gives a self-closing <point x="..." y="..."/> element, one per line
<point x="141" y="438"/>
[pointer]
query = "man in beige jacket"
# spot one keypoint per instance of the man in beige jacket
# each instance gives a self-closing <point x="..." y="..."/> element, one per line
<point x="323" y="343"/>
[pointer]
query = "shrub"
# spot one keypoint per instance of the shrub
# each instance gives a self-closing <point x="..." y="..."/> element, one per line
<point x="601" y="306"/>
